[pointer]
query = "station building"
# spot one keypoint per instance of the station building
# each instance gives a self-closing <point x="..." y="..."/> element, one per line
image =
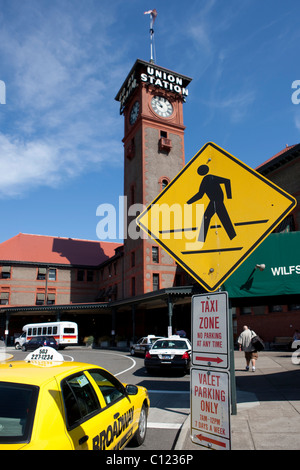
<point x="135" y="288"/>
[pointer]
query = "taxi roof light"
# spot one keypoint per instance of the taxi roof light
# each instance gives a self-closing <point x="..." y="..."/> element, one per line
<point x="45" y="357"/>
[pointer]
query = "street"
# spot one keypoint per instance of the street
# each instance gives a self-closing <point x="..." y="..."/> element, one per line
<point x="275" y="384"/>
<point x="168" y="392"/>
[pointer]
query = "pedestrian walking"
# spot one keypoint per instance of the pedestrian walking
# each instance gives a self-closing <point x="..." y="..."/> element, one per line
<point x="244" y="342"/>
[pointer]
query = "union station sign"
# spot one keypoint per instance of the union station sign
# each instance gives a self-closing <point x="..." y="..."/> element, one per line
<point x="153" y="75"/>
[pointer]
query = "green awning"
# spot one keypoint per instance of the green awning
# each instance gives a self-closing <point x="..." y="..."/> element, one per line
<point x="280" y="253"/>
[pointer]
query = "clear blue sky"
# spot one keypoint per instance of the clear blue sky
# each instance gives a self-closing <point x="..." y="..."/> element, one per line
<point x="63" y="61"/>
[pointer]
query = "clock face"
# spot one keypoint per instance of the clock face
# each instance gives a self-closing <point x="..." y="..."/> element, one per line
<point x="161" y="106"/>
<point x="134" y="112"/>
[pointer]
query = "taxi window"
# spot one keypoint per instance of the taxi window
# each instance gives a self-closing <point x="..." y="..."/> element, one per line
<point x="80" y="399"/>
<point x="111" y="389"/>
<point x="17" y="408"/>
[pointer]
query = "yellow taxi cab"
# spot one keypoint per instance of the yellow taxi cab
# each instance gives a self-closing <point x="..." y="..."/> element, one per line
<point x="49" y="404"/>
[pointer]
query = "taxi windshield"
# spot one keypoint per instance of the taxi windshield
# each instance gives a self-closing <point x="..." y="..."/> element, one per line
<point x="17" y="407"/>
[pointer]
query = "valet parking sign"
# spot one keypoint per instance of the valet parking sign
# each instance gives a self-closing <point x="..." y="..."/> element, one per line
<point x="210" y="386"/>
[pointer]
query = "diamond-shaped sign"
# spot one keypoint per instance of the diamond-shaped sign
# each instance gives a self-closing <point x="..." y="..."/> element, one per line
<point x="214" y="214"/>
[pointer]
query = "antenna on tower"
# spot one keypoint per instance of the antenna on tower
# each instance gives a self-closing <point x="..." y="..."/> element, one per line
<point x="153" y="15"/>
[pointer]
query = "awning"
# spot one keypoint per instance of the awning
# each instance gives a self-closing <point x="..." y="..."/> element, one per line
<point x="280" y="253"/>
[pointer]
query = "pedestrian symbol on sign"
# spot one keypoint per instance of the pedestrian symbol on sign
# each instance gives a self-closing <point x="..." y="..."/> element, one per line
<point x="211" y="186"/>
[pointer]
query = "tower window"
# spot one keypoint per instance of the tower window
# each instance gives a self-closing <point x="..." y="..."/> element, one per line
<point x="155" y="281"/>
<point x="133" y="286"/>
<point x="164" y="183"/>
<point x="155" y="258"/>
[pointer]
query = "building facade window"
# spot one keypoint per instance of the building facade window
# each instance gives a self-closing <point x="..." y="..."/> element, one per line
<point x="6" y="272"/>
<point x="155" y="254"/>
<point x="52" y="274"/>
<point x="80" y="275"/>
<point x="51" y="298"/>
<point x="4" y="298"/>
<point x="275" y="308"/>
<point x="155" y="281"/>
<point x="40" y="298"/>
<point x="41" y="274"/>
<point x="245" y="310"/>
<point x="90" y="275"/>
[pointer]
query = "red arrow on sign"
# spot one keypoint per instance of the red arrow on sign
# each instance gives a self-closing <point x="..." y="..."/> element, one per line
<point x="210" y="440"/>
<point x="209" y="359"/>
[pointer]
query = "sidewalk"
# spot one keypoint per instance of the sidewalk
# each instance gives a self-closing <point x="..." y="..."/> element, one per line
<point x="268" y="406"/>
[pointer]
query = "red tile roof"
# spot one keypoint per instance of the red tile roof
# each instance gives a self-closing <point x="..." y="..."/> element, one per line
<point x="56" y="250"/>
<point x="286" y="149"/>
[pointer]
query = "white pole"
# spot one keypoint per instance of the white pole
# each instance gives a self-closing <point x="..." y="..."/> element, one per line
<point x="153" y="15"/>
<point x="151" y="38"/>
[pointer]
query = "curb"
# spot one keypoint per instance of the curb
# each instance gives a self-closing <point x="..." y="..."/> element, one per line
<point x="183" y="434"/>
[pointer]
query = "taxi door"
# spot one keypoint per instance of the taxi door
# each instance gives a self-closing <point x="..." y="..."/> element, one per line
<point x="82" y="409"/>
<point x="118" y="416"/>
<point x="99" y="415"/>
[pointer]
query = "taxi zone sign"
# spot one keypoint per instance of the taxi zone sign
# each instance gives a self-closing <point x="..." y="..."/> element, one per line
<point x="210" y="344"/>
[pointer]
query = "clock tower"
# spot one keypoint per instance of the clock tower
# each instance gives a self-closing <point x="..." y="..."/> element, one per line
<point x="151" y="100"/>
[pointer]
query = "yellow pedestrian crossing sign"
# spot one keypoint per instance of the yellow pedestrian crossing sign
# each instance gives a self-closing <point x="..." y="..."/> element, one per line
<point x="214" y="214"/>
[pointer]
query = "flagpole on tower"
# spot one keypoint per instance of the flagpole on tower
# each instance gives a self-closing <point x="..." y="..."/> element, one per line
<point x="153" y="15"/>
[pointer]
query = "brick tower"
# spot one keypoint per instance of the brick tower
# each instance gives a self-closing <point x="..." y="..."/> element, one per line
<point x="151" y="100"/>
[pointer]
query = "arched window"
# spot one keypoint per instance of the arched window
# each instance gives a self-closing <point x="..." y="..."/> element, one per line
<point x="163" y="182"/>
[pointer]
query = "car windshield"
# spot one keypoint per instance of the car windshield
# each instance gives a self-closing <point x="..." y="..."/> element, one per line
<point x="170" y="344"/>
<point x="17" y="408"/>
<point x="152" y="340"/>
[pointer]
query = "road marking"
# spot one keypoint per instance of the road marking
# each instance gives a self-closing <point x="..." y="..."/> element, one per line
<point x="66" y="355"/>
<point x="154" y="425"/>
<point x="127" y="357"/>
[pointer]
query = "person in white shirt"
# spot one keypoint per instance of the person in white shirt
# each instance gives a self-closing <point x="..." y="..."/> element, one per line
<point x="244" y="342"/>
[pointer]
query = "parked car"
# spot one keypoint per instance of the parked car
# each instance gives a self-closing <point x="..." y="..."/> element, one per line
<point x="39" y="341"/>
<point x="20" y="340"/>
<point x="169" y="353"/>
<point x="143" y="345"/>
